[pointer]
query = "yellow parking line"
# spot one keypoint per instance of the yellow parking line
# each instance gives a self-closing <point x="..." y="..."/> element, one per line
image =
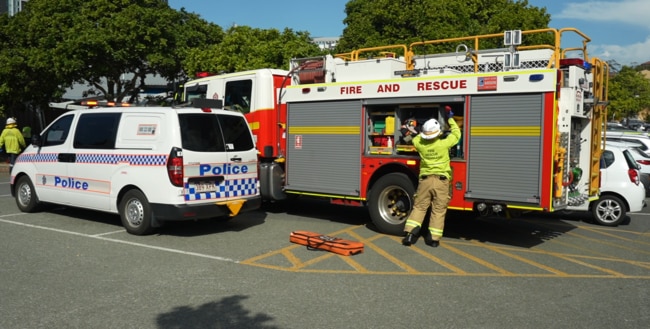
<point x="391" y="258"/>
<point x="607" y="243"/>
<point x="524" y="260"/>
<point x="439" y="261"/>
<point x="476" y="259"/>
<point x="355" y="265"/>
<point x="614" y="235"/>
<point x="295" y="261"/>
<point x="614" y="273"/>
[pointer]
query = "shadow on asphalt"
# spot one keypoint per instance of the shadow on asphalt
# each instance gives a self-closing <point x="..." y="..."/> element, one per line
<point x="521" y="232"/>
<point x="320" y="209"/>
<point x="173" y="228"/>
<point x="226" y="313"/>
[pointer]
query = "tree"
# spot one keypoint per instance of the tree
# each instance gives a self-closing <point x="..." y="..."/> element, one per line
<point x="385" y="22"/>
<point x="629" y="93"/>
<point x="112" y="44"/>
<point x="22" y="84"/>
<point x="247" y="48"/>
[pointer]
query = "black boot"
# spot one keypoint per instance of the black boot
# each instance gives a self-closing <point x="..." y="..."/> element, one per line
<point x="428" y="239"/>
<point x="411" y="237"/>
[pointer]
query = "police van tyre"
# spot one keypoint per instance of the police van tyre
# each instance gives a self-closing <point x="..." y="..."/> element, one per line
<point x="608" y="210"/>
<point x="390" y="202"/>
<point x="26" y="198"/>
<point x="135" y="213"/>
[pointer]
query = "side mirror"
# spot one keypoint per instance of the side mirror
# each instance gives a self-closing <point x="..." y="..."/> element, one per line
<point x="36" y="140"/>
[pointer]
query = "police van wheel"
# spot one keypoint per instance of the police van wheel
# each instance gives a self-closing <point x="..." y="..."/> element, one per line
<point x="390" y="201"/>
<point x="26" y="198"/>
<point x="135" y="213"/>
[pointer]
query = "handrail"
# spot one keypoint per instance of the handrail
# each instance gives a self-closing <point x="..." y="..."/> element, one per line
<point x="554" y="60"/>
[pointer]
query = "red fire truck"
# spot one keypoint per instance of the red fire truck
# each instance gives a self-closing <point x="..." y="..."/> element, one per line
<point x="531" y="119"/>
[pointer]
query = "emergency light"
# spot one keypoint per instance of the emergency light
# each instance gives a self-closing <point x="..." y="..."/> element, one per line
<point x="575" y="62"/>
<point x="202" y="74"/>
<point x="94" y="103"/>
<point x="536" y="77"/>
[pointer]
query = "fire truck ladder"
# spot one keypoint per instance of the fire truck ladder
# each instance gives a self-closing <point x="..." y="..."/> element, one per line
<point x="600" y="71"/>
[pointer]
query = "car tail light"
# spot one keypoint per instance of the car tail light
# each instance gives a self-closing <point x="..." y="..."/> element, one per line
<point x="175" y="167"/>
<point x="643" y="162"/>
<point x="634" y="176"/>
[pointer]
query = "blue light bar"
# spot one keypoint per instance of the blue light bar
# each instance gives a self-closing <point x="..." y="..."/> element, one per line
<point x="536" y="77"/>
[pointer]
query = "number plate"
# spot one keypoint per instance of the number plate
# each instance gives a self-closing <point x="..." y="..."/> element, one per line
<point x="204" y="186"/>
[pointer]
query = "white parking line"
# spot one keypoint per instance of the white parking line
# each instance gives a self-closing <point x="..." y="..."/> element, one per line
<point x="223" y="259"/>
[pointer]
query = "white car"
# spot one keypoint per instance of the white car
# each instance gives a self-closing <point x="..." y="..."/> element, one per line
<point x="620" y="188"/>
<point x="640" y="157"/>
<point x="640" y="140"/>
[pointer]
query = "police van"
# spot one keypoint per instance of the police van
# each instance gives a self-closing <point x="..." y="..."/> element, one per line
<point x="147" y="164"/>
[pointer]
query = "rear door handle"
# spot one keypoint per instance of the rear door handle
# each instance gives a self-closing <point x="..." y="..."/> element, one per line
<point x="235" y="159"/>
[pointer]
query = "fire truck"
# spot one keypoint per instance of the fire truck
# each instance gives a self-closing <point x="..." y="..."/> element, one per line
<point x="332" y="126"/>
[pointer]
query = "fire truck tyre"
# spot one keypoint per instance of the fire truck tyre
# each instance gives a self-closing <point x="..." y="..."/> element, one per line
<point x="135" y="213"/>
<point x="608" y="210"/>
<point x="26" y="198"/>
<point x="390" y="201"/>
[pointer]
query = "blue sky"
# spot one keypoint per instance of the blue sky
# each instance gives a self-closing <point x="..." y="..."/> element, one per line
<point x="619" y="29"/>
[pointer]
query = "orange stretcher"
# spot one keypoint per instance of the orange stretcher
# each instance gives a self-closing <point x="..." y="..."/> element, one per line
<point x="328" y="243"/>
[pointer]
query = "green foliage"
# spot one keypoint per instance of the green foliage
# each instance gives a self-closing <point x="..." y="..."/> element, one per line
<point x="109" y="45"/>
<point x="629" y="93"/>
<point x="386" y="22"/>
<point x="245" y="48"/>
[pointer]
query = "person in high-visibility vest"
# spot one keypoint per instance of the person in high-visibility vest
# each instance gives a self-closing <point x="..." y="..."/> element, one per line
<point x="13" y="141"/>
<point x="433" y="186"/>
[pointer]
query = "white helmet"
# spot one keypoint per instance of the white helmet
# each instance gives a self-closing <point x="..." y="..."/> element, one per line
<point x="11" y="120"/>
<point x="431" y="129"/>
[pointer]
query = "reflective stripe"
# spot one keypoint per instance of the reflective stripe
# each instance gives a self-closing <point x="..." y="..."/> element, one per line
<point x="435" y="231"/>
<point x="412" y="223"/>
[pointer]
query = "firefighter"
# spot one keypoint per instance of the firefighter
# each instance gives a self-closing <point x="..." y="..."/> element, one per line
<point x="435" y="176"/>
<point x="12" y="139"/>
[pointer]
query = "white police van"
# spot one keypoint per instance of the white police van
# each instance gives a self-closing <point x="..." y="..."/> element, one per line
<point x="147" y="164"/>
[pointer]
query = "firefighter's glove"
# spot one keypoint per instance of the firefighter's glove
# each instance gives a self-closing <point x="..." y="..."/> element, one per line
<point x="448" y="112"/>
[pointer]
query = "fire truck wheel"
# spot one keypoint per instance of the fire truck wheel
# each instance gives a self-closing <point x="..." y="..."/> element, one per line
<point x="135" y="213"/>
<point x="608" y="210"/>
<point x="390" y="201"/>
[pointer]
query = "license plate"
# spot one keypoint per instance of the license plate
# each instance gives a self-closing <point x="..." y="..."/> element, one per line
<point x="205" y="186"/>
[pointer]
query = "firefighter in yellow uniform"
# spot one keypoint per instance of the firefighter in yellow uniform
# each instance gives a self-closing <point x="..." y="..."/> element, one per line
<point x="12" y="140"/>
<point x="435" y="177"/>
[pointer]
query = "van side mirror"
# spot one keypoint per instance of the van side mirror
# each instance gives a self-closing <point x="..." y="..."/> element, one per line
<point x="36" y="140"/>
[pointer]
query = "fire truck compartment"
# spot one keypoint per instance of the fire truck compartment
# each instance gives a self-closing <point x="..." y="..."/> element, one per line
<point x="324" y="144"/>
<point x="511" y="172"/>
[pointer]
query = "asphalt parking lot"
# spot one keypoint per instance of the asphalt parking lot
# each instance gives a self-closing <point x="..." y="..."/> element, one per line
<point x="72" y="268"/>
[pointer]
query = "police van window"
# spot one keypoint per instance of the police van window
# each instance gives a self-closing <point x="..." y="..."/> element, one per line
<point x="201" y="132"/>
<point x="57" y="133"/>
<point x="238" y="95"/>
<point x="96" y="131"/>
<point x="236" y="133"/>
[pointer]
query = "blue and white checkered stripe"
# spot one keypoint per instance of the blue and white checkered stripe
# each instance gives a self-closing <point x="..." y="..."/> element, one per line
<point x="131" y="159"/>
<point x="38" y="157"/>
<point x="228" y="189"/>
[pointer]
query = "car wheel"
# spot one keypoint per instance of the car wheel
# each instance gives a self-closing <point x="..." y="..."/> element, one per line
<point x="608" y="210"/>
<point x="135" y="213"/>
<point x="26" y="198"/>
